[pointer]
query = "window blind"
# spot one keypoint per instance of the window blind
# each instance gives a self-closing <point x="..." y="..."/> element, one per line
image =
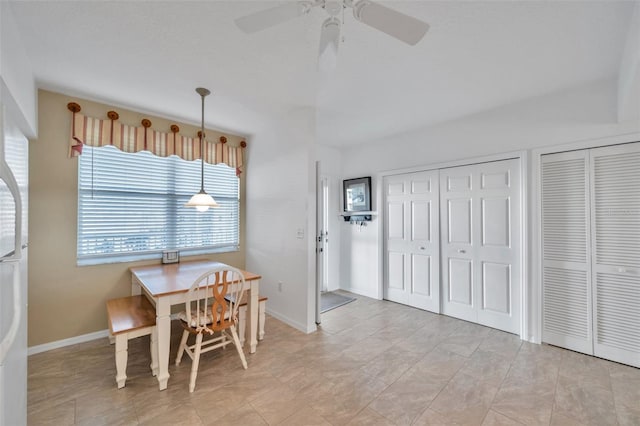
<point x="131" y="205"/>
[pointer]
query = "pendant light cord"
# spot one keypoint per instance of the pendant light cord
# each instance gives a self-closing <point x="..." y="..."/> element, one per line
<point x="92" y="168"/>
<point x="202" y="148"/>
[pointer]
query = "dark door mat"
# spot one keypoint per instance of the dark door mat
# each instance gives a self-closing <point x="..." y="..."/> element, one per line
<point x="330" y="300"/>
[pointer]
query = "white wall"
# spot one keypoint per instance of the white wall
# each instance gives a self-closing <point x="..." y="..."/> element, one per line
<point x="359" y="243"/>
<point x="629" y="76"/>
<point x="359" y="256"/>
<point x="17" y="86"/>
<point x="280" y="203"/>
<point x="584" y="113"/>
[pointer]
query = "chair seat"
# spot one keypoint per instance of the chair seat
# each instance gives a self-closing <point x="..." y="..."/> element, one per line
<point x="205" y="319"/>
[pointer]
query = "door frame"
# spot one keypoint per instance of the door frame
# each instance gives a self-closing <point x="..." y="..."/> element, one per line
<point x="523" y="157"/>
<point x="320" y="210"/>
<point x="536" y="217"/>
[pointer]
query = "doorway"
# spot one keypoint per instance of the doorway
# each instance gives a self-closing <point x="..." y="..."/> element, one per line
<point x="322" y="238"/>
<point x="326" y="267"/>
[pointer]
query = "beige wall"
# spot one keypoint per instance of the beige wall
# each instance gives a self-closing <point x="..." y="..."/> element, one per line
<point x="66" y="300"/>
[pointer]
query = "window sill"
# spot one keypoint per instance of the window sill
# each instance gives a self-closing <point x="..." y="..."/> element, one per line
<point x="131" y="257"/>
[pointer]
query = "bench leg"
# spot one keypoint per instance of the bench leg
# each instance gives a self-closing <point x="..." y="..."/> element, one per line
<point x="153" y="348"/>
<point x="261" y="317"/>
<point x="122" y="343"/>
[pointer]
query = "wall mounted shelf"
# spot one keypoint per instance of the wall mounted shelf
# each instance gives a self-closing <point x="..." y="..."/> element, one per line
<point x="363" y="216"/>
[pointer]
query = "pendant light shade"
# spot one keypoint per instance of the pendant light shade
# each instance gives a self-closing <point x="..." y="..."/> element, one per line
<point x="202" y="201"/>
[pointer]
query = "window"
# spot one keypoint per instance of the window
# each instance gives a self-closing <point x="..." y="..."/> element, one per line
<point x="131" y="206"/>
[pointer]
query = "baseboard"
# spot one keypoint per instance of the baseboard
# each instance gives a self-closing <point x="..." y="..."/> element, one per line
<point x="373" y="294"/>
<point x="295" y="324"/>
<point x="105" y="333"/>
<point x="67" y="342"/>
<point x="73" y="340"/>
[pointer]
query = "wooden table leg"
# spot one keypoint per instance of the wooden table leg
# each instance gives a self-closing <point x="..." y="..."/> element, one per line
<point x="252" y="313"/>
<point x="163" y="323"/>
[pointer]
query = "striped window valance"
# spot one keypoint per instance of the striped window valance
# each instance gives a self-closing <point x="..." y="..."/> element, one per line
<point x="97" y="132"/>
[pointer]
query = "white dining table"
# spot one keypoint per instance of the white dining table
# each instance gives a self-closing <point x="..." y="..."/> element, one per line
<point x="167" y="285"/>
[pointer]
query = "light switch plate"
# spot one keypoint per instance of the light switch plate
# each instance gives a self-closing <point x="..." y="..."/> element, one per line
<point x="170" y="256"/>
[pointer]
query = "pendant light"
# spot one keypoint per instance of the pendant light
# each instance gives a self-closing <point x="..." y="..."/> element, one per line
<point x="202" y="201"/>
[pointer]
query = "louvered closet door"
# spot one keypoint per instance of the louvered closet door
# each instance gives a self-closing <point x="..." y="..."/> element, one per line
<point x="566" y="278"/>
<point x="412" y="273"/>
<point x="615" y="201"/>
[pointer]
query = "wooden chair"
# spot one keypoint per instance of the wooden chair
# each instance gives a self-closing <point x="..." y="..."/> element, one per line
<point x="131" y="317"/>
<point x="207" y="313"/>
<point x="242" y="317"/>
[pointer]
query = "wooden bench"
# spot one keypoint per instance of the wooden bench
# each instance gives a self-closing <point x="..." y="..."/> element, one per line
<point x="131" y="317"/>
<point x="242" y="317"/>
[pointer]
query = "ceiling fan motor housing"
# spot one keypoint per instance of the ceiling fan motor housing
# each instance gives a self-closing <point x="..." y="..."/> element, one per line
<point x="333" y="8"/>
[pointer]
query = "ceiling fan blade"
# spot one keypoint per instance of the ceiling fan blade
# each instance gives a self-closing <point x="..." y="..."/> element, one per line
<point x="329" y="42"/>
<point x="270" y="17"/>
<point x="403" y="27"/>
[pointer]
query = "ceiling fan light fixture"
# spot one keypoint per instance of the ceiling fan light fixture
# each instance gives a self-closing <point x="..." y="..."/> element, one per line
<point x="333" y="7"/>
<point x="202" y="201"/>
<point x="329" y="43"/>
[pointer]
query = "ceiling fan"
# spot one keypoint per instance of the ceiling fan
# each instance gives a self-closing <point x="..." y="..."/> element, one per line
<point x="398" y="25"/>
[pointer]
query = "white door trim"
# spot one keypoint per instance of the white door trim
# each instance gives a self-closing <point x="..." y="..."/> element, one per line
<point x="523" y="156"/>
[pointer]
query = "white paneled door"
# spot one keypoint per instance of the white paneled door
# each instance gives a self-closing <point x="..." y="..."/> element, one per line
<point x="480" y="243"/>
<point x="411" y="235"/>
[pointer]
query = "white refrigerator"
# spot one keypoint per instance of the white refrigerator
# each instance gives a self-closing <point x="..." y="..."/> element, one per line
<point x="14" y="177"/>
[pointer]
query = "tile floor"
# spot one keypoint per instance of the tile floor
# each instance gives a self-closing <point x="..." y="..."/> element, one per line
<point x="372" y="363"/>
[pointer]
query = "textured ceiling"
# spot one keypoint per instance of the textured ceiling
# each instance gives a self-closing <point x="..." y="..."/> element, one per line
<point x="150" y="55"/>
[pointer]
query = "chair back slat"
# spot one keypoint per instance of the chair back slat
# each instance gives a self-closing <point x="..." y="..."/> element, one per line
<point x="206" y="305"/>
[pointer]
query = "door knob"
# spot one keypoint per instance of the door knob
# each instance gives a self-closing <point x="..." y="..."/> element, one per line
<point x="422" y="248"/>
<point x="461" y="251"/>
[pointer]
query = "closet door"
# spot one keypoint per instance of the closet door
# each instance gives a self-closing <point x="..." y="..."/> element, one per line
<point x="480" y="229"/>
<point x="498" y="249"/>
<point x="458" y="242"/>
<point x="615" y="203"/>
<point x="566" y="280"/>
<point x="411" y="234"/>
